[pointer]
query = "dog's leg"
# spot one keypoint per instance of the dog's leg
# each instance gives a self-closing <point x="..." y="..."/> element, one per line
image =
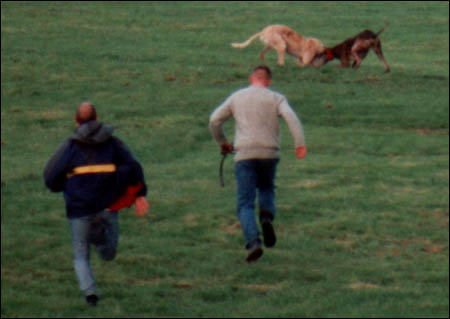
<point x="360" y="56"/>
<point x="277" y="42"/>
<point x="281" y="54"/>
<point x="263" y="52"/>
<point x="306" y="59"/>
<point x="357" y="62"/>
<point x="345" y="62"/>
<point x="377" y="49"/>
<point x="357" y="55"/>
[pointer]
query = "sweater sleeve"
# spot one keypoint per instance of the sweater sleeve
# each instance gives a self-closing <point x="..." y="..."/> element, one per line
<point x="220" y="115"/>
<point x="293" y="122"/>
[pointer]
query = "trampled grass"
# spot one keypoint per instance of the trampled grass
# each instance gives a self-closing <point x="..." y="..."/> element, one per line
<point x="362" y="221"/>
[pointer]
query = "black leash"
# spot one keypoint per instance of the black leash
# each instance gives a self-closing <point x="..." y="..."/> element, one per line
<point x="222" y="183"/>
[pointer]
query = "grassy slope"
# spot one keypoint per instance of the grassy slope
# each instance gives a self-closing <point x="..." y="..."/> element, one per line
<point x="363" y="221"/>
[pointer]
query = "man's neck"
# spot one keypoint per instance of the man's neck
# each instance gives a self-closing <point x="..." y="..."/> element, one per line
<point x="258" y="84"/>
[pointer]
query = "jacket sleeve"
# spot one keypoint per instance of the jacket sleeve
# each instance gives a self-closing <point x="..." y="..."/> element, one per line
<point x="129" y="171"/>
<point x="216" y="120"/>
<point x="55" y="171"/>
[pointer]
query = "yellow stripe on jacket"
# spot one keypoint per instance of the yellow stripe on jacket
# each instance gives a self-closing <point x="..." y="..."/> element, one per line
<point x="92" y="169"/>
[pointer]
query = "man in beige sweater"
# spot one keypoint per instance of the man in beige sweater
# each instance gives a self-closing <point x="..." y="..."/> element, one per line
<point x="256" y="110"/>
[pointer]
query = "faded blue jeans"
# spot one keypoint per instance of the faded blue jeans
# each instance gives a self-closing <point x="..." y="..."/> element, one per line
<point x="100" y="229"/>
<point x="252" y="176"/>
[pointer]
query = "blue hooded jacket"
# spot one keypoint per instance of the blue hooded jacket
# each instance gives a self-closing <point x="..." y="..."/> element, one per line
<point x="93" y="169"/>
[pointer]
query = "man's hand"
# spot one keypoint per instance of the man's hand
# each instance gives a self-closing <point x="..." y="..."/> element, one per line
<point x="141" y="206"/>
<point x="301" y="152"/>
<point x="226" y="148"/>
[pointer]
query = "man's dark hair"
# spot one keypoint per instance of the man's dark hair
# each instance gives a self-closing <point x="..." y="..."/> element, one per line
<point x="265" y="69"/>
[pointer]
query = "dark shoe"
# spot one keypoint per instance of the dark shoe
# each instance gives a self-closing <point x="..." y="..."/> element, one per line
<point x="254" y="255"/>
<point x="269" y="234"/>
<point x="266" y="218"/>
<point x="92" y="300"/>
<point x="254" y="251"/>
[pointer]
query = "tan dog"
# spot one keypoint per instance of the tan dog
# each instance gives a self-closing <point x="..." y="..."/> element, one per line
<point x="283" y="39"/>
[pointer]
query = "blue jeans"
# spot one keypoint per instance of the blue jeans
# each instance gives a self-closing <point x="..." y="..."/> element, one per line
<point x="100" y="229"/>
<point x="252" y="176"/>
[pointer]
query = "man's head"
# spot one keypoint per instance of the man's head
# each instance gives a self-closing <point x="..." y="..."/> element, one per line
<point x="85" y="113"/>
<point x="261" y="76"/>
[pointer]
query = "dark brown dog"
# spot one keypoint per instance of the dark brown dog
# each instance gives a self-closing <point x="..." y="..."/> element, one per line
<point x="355" y="49"/>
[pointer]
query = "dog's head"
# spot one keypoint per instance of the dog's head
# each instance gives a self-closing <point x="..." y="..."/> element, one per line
<point x="322" y="58"/>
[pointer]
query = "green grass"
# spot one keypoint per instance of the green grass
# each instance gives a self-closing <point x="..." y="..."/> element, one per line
<point x="363" y="223"/>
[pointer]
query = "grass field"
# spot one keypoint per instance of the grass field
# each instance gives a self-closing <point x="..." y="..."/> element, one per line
<point x="363" y="220"/>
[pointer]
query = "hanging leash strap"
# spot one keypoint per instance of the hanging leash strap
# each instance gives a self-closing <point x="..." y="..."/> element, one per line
<point x="225" y="150"/>
<point x="222" y="183"/>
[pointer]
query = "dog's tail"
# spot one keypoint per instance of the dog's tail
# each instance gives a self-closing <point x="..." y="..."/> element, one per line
<point x="246" y="43"/>
<point x="382" y="29"/>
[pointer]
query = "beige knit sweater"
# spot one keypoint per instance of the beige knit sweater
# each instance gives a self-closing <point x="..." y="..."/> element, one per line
<point x="256" y="111"/>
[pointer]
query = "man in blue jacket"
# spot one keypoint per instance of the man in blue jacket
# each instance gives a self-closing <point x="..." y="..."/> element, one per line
<point x="98" y="176"/>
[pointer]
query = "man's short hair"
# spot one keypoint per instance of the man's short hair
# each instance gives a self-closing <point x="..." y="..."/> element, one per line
<point x="85" y="113"/>
<point x="265" y="69"/>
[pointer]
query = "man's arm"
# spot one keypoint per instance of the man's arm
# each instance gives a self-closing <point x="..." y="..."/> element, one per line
<point x="216" y="120"/>
<point x="129" y="170"/>
<point x="55" y="171"/>
<point x="295" y="127"/>
<point x="131" y="175"/>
